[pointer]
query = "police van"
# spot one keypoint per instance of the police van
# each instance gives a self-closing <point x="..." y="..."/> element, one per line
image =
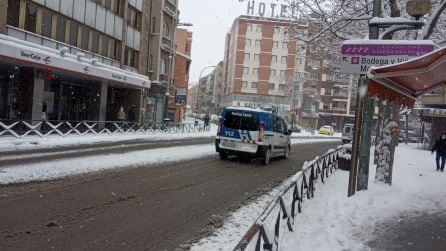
<point x="253" y="133"/>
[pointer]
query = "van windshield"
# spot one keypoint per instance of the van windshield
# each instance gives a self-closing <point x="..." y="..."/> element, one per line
<point x="241" y="120"/>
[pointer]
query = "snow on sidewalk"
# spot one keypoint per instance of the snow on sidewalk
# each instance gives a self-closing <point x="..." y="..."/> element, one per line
<point x="332" y="221"/>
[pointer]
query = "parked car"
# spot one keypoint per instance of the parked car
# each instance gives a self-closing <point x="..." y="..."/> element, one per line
<point x="247" y="132"/>
<point x="347" y="133"/>
<point x="326" y="130"/>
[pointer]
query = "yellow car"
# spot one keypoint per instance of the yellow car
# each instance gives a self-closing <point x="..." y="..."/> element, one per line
<point x="326" y="130"/>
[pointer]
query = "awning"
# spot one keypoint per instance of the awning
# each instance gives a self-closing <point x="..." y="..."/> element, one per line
<point x="404" y="82"/>
<point x="19" y="50"/>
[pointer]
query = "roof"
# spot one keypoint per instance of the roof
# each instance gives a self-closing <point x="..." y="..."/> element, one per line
<point x="405" y="82"/>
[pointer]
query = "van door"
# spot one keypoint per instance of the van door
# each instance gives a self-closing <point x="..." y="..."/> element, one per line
<point x="279" y="135"/>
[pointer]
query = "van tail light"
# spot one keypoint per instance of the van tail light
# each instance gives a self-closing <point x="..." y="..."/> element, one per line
<point x="219" y="126"/>
<point x="261" y="133"/>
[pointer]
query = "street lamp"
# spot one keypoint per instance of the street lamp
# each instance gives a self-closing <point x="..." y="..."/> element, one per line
<point x="198" y="88"/>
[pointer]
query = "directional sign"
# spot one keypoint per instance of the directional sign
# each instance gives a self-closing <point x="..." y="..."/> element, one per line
<point x="359" y="55"/>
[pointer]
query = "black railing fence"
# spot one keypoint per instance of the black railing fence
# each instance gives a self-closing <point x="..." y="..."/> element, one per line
<point x="265" y="232"/>
<point x="20" y="129"/>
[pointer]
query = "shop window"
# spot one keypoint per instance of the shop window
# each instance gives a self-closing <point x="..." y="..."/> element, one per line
<point x="95" y="42"/>
<point x="47" y="18"/>
<point x="74" y="27"/>
<point x="13" y="13"/>
<point x="60" y="29"/>
<point x="31" y="17"/>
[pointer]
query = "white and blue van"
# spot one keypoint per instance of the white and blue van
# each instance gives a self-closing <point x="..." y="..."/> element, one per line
<point x="253" y="133"/>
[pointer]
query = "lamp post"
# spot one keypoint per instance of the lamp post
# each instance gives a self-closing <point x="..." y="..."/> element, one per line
<point x="198" y="89"/>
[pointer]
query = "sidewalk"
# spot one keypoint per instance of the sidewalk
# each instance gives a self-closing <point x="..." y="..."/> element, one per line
<point x="411" y="232"/>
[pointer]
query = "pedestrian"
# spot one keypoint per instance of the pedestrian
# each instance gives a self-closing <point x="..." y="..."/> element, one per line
<point x="440" y="148"/>
<point x="206" y="121"/>
<point x="121" y="114"/>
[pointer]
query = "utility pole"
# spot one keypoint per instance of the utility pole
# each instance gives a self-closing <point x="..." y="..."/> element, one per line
<point x="363" y="84"/>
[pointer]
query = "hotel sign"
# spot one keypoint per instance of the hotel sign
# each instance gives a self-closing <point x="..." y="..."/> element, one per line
<point x="272" y="9"/>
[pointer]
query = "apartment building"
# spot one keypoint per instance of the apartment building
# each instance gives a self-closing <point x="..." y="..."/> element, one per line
<point x="266" y="66"/>
<point x="181" y="73"/>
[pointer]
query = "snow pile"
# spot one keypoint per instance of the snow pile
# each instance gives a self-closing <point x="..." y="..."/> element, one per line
<point x="332" y="221"/>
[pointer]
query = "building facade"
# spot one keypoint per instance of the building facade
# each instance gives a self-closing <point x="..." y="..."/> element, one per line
<point x="181" y="73"/>
<point x="73" y="60"/>
<point x="163" y="16"/>
<point x="265" y="67"/>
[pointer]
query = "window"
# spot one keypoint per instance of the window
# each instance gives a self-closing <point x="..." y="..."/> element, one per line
<point x="13" y="13"/>
<point x="281" y="87"/>
<point x="282" y="73"/>
<point x="246" y="56"/>
<point x="255" y="71"/>
<point x="244" y="84"/>
<point x="276" y="30"/>
<point x="273" y="59"/>
<point x="248" y="42"/>
<point x="166" y="29"/>
<point x="249" y="27"/>
<point x="257" y="43"/>
<point x="151" y="63"/>
<point x="283" y="59"/>
<point x="275" y="44"/>
<point x="104" y="49"/>
<point x="272" y="72"/>
<point x="271" y="86"/>
<point x="234" y="120"/>
<point x="47" y="20"/>
<point x="73" y="33"/>
<point x="153" y="28"/>
<point x="256" y="57"/>
<point x="85" y="37"/>
<point x="95" y="42"/>
<point x="298" y="61"/>
<point x="115" y="6"/>
<point x="278" y="125"/>
<point x="31" y="17"/>
<point x="163" y="66"/>
<point x="330" y="77"/>
<point x="259" y="28"/>
<point x="314" y="63"/>
<point x="326" y="63"/>
<point x="254" y="85"/>
<point x="60" y="28"/>
<point x="245" y="70"/>
<point x="284" y="45"/>
<point x="298" y="76"/>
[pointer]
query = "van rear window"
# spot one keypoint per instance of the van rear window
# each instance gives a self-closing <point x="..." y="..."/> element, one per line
<point x="241" y="120"/>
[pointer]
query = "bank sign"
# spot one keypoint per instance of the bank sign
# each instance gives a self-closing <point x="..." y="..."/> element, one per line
<point x="357" y="56"/>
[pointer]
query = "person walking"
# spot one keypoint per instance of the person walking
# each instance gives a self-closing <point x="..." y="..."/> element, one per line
<point x="440" y="148"/>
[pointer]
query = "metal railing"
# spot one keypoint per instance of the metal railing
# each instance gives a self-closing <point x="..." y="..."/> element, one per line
<point x="264" y="233"/>
<point x="32" y="128"/>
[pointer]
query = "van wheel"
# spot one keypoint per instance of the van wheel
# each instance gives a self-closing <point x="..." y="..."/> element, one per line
<point x="223" y="155"/>
<point x="287" y="152"/>
<point x="267" y="156"/>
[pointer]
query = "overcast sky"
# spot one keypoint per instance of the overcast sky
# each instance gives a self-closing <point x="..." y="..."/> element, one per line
<point x="212" y="19"/>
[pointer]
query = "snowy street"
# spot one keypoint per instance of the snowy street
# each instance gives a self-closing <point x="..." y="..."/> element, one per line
<point x="153" y="194"/>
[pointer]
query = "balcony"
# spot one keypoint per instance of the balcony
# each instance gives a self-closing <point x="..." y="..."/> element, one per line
<point x="170" y="8"/>
<point x="166" y="43"/>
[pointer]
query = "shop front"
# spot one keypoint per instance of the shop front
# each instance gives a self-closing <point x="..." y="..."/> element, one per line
<point x="39" y="83"/>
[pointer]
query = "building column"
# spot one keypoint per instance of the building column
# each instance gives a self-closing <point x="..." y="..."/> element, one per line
<point x="3" y="15"/>
<point x="39" y="85"/>
<point x="103" y="102"/>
